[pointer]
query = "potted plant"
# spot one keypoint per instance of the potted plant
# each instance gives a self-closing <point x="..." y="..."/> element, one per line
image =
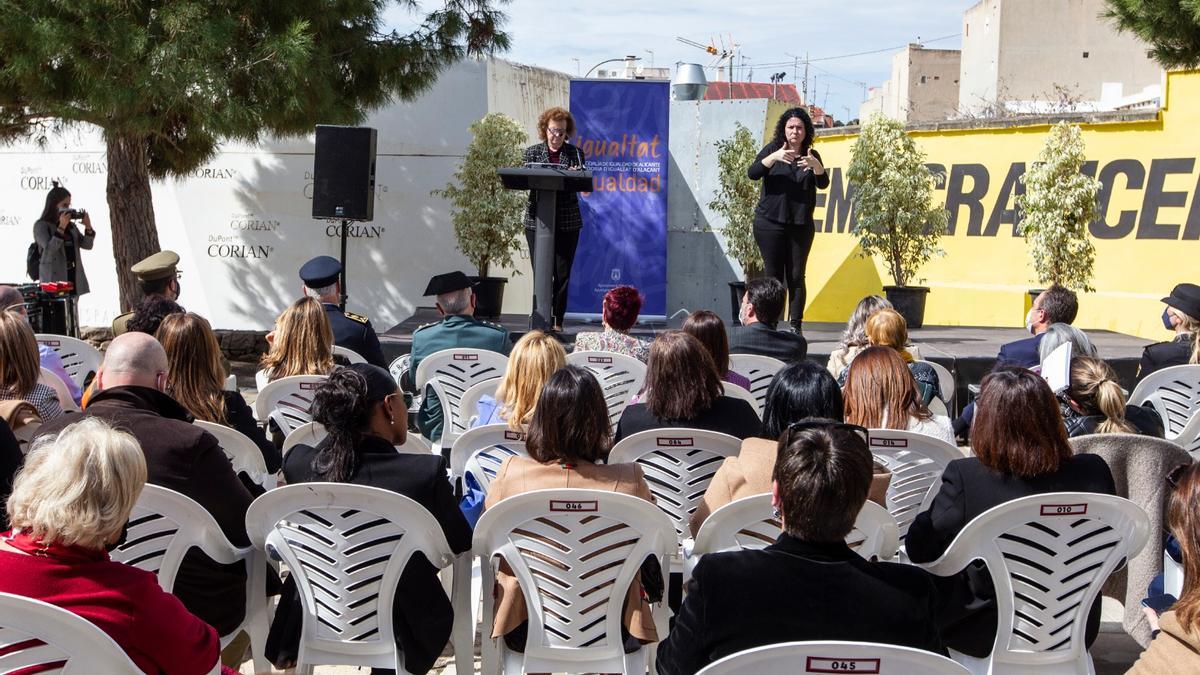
<point x="734" y="200"/>
<point x="1058" y="204"/>
<point x="896" y="218"/>
<point x="488" y="219"/>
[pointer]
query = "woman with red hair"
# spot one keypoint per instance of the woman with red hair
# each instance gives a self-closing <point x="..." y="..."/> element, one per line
<point x="620" y="312"/>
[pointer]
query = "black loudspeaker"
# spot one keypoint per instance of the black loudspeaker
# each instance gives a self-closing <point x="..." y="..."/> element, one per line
<point x="344" y="173"/>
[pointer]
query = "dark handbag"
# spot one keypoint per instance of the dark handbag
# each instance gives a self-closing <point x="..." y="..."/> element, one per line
<point x="652" y="579"/>
<point x="33" y="261"/>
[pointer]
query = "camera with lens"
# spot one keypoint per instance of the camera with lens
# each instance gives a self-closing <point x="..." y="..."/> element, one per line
<point x="75" y="214"/>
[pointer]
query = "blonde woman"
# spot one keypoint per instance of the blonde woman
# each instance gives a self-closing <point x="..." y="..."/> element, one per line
<point x="1182" y="316"/>
<point x="301" y="344"/>
<point x="1095" y="403"/>
<point x="69" y="505"/>
<point x="196" y="379"/>
<point x="534" y="358"/>
<point x="20" y="367"/>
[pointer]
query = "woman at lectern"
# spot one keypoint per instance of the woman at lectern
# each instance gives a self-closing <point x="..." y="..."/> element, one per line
<point x="555" y="126"/>
<point x="59" y="241"/>
<point x="791" y="173"/>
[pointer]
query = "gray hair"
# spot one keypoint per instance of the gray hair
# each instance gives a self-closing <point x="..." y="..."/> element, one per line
<point x="1059" y="334"/>
<point x="322" y="292"/>
<point x="855" y="334"/>
<point x="455" y="302"/>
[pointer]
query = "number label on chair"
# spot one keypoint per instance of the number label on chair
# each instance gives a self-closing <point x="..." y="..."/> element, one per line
<point x="466" y="357"/>
<point x="822" y="664"/>
<point x="675" y="442"/>
<point x="889" y="442"/>
<point x="510" y="435"/>
<point x="599" y="359"/>
<point x="1064" y="509"/>
<point x="50" y="343"/>
<point x="559" y="505"/>
<point x="308" y="386"/>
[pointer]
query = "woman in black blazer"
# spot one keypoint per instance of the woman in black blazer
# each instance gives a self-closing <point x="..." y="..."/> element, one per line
<point x="683" y="389"/>
<point x="791" y="173"/>
<point x="555" y="127"/>
<point x="1021" y="449"/>
<point x="364" y="413"/>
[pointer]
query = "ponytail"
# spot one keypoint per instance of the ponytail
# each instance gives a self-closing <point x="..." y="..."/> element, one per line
<point x="342" y="407"/>
<point x="1111" y="402"/>
<point x="1094" y="387"/>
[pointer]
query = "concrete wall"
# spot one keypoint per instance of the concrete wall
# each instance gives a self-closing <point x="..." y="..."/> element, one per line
<point x="980" y="59"/>
<point x="931" y="84"/>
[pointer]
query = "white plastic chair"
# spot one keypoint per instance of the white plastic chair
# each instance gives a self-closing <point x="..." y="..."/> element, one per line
<point x="48" y="378"/>
<point x="346" y="546"/>
<point x="789" y="658"/>
<point x="231" y="383"/>
<point x="399" y="366"/>
<point x="620" y="376"/>
<point x="679" y="464"/>
<point x="574" y="554"/>
<point x="242" y="452"/>
<point x="749" y="524"/>
<point x="482" y="450"/>
<point x="35" y="633"/>
<point x="309" y="433"/>
<point x="944" y="401"/>
<point x="348" y="354"/>
<point x="164" y="526"/>
<point x="469" y="403"/>
<point x="1174" y="393"/>
<point x="287" y="401"/>
<point x="736" y="391"/>
<point x="1048" y="556"/>
<point x="916" y="462"/>
<point x="79" y="358"/>
<point x="450" y="373"/>
<point x="415" y="444"/>
<point x="1172" y="576"/>
<point x="760" y="370"/>
<point x="1188" y="437"/>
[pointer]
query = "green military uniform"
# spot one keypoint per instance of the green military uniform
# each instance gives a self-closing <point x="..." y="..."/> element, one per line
<point x="450" y="333"/>
<point x="157" y="266"/>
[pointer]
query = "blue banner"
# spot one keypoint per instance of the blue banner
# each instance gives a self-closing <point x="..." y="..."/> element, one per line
<point x="621" y="126"/>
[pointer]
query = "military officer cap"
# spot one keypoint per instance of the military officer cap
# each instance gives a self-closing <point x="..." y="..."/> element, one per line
<point x="321" y="271"/>
<point x="447" y="283"/>
<point x="161" y="265"/>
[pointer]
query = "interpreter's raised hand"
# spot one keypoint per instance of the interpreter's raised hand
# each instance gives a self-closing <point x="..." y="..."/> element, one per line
<point x="811" y="163"/>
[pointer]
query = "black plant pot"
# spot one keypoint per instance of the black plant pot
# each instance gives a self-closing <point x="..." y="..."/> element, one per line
<point x="909" y="301"/>
<point x="489" y="296"/>
<point x="736" y="290"/>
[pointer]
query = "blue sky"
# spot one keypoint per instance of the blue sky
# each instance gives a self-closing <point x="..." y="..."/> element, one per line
<point x="556" y="34"/>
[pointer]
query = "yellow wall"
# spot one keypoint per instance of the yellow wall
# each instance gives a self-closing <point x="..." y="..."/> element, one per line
<point x="982" y="280"/>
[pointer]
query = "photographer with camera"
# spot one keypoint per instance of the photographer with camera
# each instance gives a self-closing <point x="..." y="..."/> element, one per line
<point x="59" y="240"/>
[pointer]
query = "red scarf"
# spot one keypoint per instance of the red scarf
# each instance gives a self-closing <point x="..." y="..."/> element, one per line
<point x="23" y="541"/>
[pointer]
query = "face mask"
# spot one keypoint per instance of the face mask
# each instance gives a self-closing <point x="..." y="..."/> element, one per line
<point x="1167" y="320"/>
<point x="1029" y="320"/>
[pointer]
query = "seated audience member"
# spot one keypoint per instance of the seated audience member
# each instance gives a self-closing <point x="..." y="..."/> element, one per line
<point x="808" y="585"/>
<point x="196" y="380"/>
<point x="68" y="508"/>
<point x="458" y="328"/>
<point x="1182" y="316"/>
<point x="11" y="459"/>
<point x="568" y="434"/>
<point x="709" y="329"/>
<point x="534" y="358"/>
<point x="1058" y="334"/>
<point x="799" y="391"/>
<point x="619" y="313"/>
<point x="854" y="338"/>
<point x="886" y="328"/>
<point x="301" y="344"/>
<point x="880" y="393"/>
<point x="1021" y="449"/>
<point x="683" y="389"/>
<point x="12" y="300"/>
<point x="363" y="410"/>
<point x="20" y="368"/>
<point x="157" y="277"/>
<point x="1095" y="403"/>
<point x="762" y="307"/>
<point x="150" y="313"/>
<point x="1176" y="644"/>
<point x="179" y="456"/>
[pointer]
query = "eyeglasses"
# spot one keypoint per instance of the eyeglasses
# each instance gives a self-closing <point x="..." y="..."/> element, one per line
<point x="551" y="131"/>
<point x="805" y="425"/>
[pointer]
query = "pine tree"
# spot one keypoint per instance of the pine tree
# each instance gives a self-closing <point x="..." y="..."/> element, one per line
<point x="168" y="80"/>
<point x="1170" y="27"/>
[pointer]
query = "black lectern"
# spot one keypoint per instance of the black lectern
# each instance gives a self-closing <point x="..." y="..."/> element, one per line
<point x="548" y="182"/>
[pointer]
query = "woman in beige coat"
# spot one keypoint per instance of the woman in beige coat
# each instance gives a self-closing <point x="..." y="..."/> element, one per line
<point x="1176" y="644"/>
<point x="569" y="432"/>
<point x="801" y="390"/>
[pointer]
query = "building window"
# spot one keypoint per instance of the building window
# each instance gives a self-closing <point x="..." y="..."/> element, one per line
<point x="936" y="77"/>
<point x="922" y="79"/>
<point x="1085" y="55"/>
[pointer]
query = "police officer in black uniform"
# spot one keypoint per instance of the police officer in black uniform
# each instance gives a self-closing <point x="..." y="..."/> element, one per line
<point x="350" y="330"/>
<point x="1181" y="315"/>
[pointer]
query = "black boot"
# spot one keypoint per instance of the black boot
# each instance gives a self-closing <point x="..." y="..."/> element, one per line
<point x="796" y="326"/>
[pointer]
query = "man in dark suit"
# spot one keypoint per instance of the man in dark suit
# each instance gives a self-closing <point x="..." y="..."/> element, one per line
<point x="1182" y="316"/>
<point x="179" y="456"/>
<point x="762" y="305"/>
<point x="808" y="585"/>
<point x="350" y="330"/>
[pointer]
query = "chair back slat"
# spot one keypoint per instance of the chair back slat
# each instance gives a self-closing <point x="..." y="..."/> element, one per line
<point x="80" y="359"/>
<point x="620" y="376"/>
<point x="480" y="452"/>
<point x="760" y="370"/>
<point x="1174" y="393"/>
<point x="916" y="462"/>
<point x="38" y="637"/>
<point x="288" y="401"/>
